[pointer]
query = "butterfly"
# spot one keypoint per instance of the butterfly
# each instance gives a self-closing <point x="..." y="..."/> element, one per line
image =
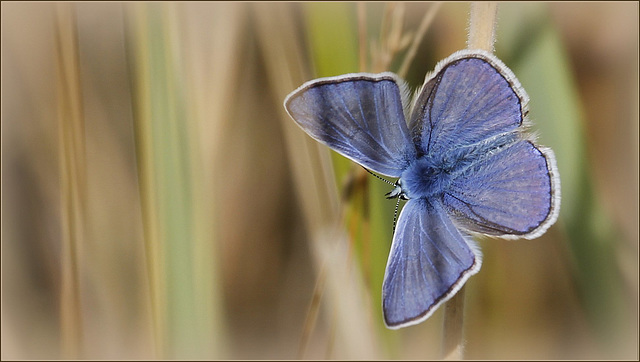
<point x="464" y="160"/>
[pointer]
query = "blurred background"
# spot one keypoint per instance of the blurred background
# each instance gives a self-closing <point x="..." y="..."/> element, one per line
<point x="157" y="201"/>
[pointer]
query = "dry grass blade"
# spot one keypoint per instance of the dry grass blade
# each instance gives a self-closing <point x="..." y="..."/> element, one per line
<point x="482" y="25"/>
<point x="147" y="186"/>
<point x="417" y="39"/>
<point x="452" y="331"/>
<point x="392" y="38"/>
<point x="362" y="36"/>
<point x="211" y="77"/>
<point x="73" y="179"/>
<point x="312" y="314"/>
<point x="311" y="163"/>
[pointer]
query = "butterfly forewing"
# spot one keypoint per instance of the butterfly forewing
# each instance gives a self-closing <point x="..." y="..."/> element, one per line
<point x="359" y="116"/>
<point x="469" y="98"/>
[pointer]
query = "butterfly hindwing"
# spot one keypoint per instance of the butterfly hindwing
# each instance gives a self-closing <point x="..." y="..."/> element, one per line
<point x="430" y="259"/>
<point x="360" y="116"/>
<point x="511" y="192"/>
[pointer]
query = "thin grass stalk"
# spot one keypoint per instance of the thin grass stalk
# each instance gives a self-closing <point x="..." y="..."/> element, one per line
<point x="146" y="184"/>
<point x="73" y="175"/>
<point x="392" y="39"/>
<point x="170" y="169"/>
<point x="482" y="25"/>
<point x="211" y="79"/>
<point x="187" y="323"/>
<point x="379" y="59"/>
<point x="452" y="332"/>
<point x="417" y="39"/>
<point x="318" y="292"/>
<point x="312" y="313"/>
<point x="284" y="58"/>
<point x="139" y="51"/>
<point x="362" y="36"/>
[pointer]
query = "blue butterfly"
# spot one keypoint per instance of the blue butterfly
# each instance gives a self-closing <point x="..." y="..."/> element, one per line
<point x="463" y="161"/>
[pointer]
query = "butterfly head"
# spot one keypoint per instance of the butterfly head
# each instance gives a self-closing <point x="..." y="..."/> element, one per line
<point x="398" y="192"/>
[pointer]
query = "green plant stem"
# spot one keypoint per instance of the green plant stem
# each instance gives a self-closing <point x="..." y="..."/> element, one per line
<point x="147" y="183"/>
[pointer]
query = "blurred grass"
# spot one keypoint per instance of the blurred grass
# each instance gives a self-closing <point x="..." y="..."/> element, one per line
<point x="163" y="153"/>
<point x="180" y="257"/>
<point x="333" y="261"/>
<point x="239" y="211"/>
<point x="543" y="68"/>
<point x="73" y="171"/>
<point x="334" y="51"/>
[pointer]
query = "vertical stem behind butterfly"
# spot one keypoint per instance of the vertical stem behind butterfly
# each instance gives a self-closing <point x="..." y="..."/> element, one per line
<point x="482" y="25"/>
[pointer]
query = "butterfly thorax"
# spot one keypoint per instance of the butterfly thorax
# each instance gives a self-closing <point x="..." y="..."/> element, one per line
<point x="425" y="177"/>
<point x="428" y="175"/>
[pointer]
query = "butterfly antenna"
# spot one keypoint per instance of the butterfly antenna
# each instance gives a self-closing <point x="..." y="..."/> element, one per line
<point x="395" y="213"/>
<point x="383" y="179"/>
<point x="395" y="217"/>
